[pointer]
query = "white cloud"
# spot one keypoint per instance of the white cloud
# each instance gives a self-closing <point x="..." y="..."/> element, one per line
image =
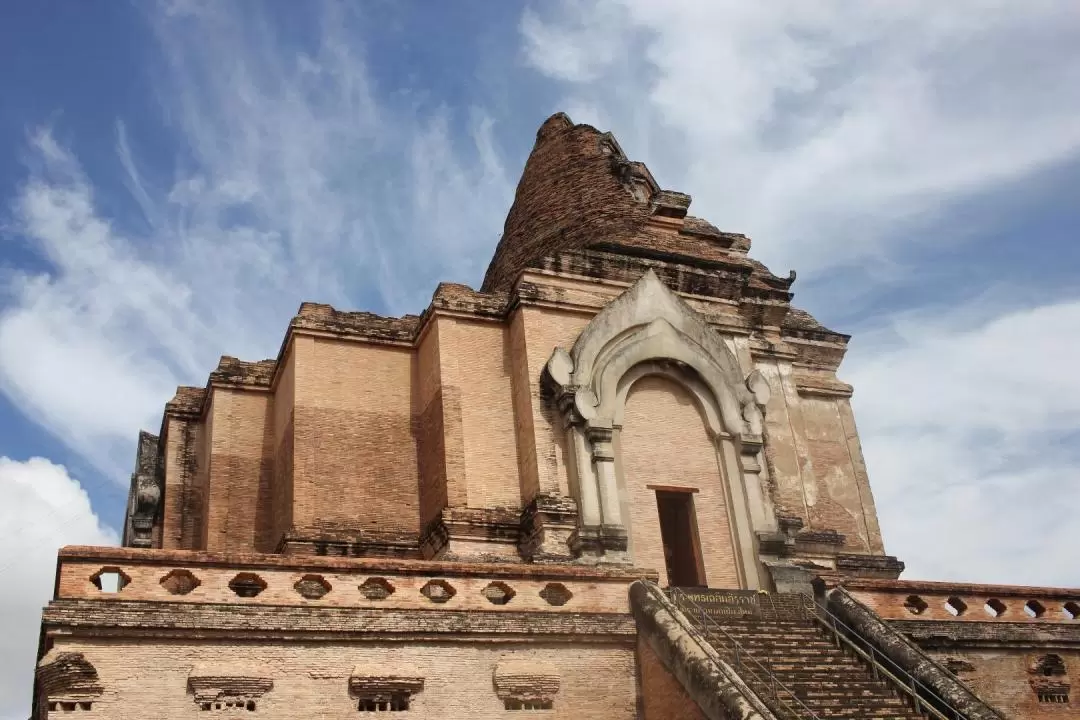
<point x="292" y="181"/>
<point x="824" y="130"/>
<point x="966" y="428"/>
<point x="43" y="510"/>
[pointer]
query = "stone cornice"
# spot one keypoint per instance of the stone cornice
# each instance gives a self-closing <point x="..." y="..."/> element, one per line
<point x="90" y="618"/>
<point x="947" y="633"/>
<point x="819" y="385"/>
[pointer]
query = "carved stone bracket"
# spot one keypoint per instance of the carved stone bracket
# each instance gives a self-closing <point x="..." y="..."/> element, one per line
<point x="145" y="493"/>
<point x="885" y="567"/>
<point x="214" y="688"/>
<point x="380" y="687"/>
<point x="67" y="678"/>
<point x="525" y="681"/>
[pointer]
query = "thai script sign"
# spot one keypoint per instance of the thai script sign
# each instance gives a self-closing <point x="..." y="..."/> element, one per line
<point x="723" y="604"/>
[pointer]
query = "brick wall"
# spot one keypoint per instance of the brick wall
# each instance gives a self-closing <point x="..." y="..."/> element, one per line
<point x="476" y="367"/>
<point x="197" y="513"/>
<point x="664" y="442"/>
<point x="241" y="451"/>
<point x="175" y="471"/>
<point x="993" y="638"/>
<point x="183" y="503"/>
<point x="569" y="195"/>
<point x="1003" y="677"/>
<point x="818" y="472"/>
<point x="526" y="408"/>
<point x="597" y="681"/>
<point x="430" y="433"/>
<point x="282" y="482"/>
<point x="354" y="451"/>
<point x="585" y="595"/>
<point x="662" y="695"/>
<point x="544" y="330"/>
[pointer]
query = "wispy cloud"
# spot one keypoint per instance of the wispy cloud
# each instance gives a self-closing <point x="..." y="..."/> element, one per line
<point x="293" y="178"/>
<point x="969" y="426"/>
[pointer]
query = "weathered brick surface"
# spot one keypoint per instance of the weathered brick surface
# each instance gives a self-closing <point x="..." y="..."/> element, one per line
<point x="354" y="452"/>
<point x="476" y="366"/>
<point x="568" y="196"/>
<point x="224" y="623"/>
<point x="240" y="510"/>
<point x="312" y="680"/>
<point x="892" y="600"/>
<point x="430" y="431"/>
<point x="183" y="500"/>
<point x="544" y="330"/>
<point x="1006" y="678"/>
<point x="1001" y="656"/>
<point x="587" y="594"/>
<point x="645" y="445"/>
<point x="284" y="413"/>
<point x="526" y="408"/>
<point x="662" y="696"/>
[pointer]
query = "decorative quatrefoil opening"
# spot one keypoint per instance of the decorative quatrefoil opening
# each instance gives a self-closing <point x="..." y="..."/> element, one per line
<point x="994" y="607"/>
<point x="556" y="594"/>
<point x="247" y="585"/>
<point x="312" y="587"/>
<point x="110" y="579"/>
<point x="955" y="606"/>
<point x="1072" y="610"/>
<point x="438" y="591"/>
<point x="1034" y="608"/>
<point x="376" y="588"/>
<point x="915" y="605"/>
<point x="498" y="593"/>
<point x="180" y="582"/>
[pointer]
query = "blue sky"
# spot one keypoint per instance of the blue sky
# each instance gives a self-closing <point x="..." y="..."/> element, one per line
<point x="176" y="176"/>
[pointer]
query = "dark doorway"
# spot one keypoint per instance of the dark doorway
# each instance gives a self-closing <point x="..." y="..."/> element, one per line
<point x="678" y="532"/>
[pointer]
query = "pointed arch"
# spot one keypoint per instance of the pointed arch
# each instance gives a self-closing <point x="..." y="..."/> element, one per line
<point x="650" y="330"/>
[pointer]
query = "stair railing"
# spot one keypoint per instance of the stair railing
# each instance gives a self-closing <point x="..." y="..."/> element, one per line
<point x="745" y="664"/>
<point x="882" y="666"/>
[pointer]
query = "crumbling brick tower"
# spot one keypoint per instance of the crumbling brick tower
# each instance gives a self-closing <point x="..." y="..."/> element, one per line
<point x="472" y="512"/>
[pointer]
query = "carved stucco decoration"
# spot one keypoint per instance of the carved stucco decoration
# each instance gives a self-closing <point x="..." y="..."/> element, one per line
<point x="380" y="683"/>
<point x="67" y="677"/>
<point x="226" y="685"/>
<point x="525" y="680"/>
<point x="649" y="330"/>
<point x="145" y="492"/>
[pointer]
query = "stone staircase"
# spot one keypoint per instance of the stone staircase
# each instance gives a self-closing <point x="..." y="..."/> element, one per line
<point x="815" y="675"/>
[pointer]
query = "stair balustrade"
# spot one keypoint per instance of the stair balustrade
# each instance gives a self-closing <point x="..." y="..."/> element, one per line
<point x="789" y="639"/>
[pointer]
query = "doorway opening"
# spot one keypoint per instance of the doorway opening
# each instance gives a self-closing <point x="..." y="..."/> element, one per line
<point x="678" y="532"/>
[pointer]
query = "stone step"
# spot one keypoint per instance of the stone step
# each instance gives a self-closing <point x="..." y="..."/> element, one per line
<point x="777" y="638"/>
<point x="809" y="655"/>
<point x="805" y="659"/>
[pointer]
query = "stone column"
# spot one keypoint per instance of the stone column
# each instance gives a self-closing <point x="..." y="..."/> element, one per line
<point x="550" y="523"/>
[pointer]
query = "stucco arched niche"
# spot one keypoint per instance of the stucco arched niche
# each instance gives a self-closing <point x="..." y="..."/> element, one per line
<point x="650" y="330"/>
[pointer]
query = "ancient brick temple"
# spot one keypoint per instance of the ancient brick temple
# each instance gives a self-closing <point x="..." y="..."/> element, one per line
<point x="620" y="480"/>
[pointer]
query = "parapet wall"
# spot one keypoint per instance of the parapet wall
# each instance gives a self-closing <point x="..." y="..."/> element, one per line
<point x="1017" y="647"/>
<point x="92" y="574"/>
